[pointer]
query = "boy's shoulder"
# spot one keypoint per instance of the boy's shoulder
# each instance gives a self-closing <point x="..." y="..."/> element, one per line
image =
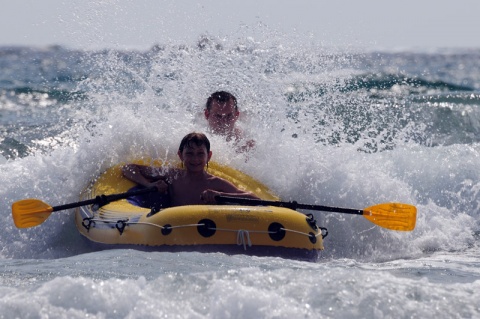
<point x="216" y="179"/>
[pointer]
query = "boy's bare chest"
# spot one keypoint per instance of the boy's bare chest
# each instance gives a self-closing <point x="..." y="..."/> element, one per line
<point x="187" y="192"/>
<point x="192" y="184"/>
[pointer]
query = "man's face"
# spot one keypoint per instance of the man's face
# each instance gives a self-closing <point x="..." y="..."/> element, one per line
<point x="222" y="116"/>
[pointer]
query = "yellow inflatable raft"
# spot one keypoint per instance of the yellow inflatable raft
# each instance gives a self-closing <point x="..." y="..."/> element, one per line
<point x="258" y="230"/>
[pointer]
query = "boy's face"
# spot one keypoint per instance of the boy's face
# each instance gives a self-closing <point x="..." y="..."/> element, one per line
<point x="222" y="116"/>
<point x="195" y="157"/>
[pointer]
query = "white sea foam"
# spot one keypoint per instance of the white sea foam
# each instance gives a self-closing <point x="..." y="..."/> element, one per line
<point x="191" y="285"/>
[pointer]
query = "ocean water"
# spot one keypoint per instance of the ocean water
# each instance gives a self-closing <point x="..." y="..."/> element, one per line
<point x="344" y="128"/>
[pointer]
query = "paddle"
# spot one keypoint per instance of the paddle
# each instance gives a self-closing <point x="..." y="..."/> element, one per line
<point x="395" y="216"/>
<point x="32" y="212"/>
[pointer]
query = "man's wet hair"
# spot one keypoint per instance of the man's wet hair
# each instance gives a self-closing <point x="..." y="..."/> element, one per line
<point x="222" y="97"/>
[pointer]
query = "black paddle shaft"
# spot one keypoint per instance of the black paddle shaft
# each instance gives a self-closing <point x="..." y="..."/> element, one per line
<point x="102" y="200"/>
<point x="292" y="205"/>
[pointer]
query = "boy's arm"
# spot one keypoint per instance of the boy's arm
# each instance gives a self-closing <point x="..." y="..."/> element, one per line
<point x="145" y="175"/>
<point x="225" y="188"/>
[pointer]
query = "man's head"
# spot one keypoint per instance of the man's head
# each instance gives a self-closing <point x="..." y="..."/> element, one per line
<point x="221" y="112"/>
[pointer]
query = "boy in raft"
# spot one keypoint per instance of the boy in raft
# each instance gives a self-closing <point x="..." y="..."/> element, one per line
<point x="191" y="185"/>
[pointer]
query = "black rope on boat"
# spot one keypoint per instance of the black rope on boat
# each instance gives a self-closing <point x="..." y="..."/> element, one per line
<point x="88" y="222"/>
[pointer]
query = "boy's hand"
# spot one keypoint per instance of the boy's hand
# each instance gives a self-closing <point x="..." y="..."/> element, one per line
<point x="208" y="196"/>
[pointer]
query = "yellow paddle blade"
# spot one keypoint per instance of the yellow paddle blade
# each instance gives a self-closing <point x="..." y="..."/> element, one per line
<point x="30" y="212"/>
<point x="395" y="216"/>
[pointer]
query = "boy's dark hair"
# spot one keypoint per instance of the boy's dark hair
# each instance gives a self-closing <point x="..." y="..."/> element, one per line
<point x="198" y="139"/>
<point x="221" y="96"/>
